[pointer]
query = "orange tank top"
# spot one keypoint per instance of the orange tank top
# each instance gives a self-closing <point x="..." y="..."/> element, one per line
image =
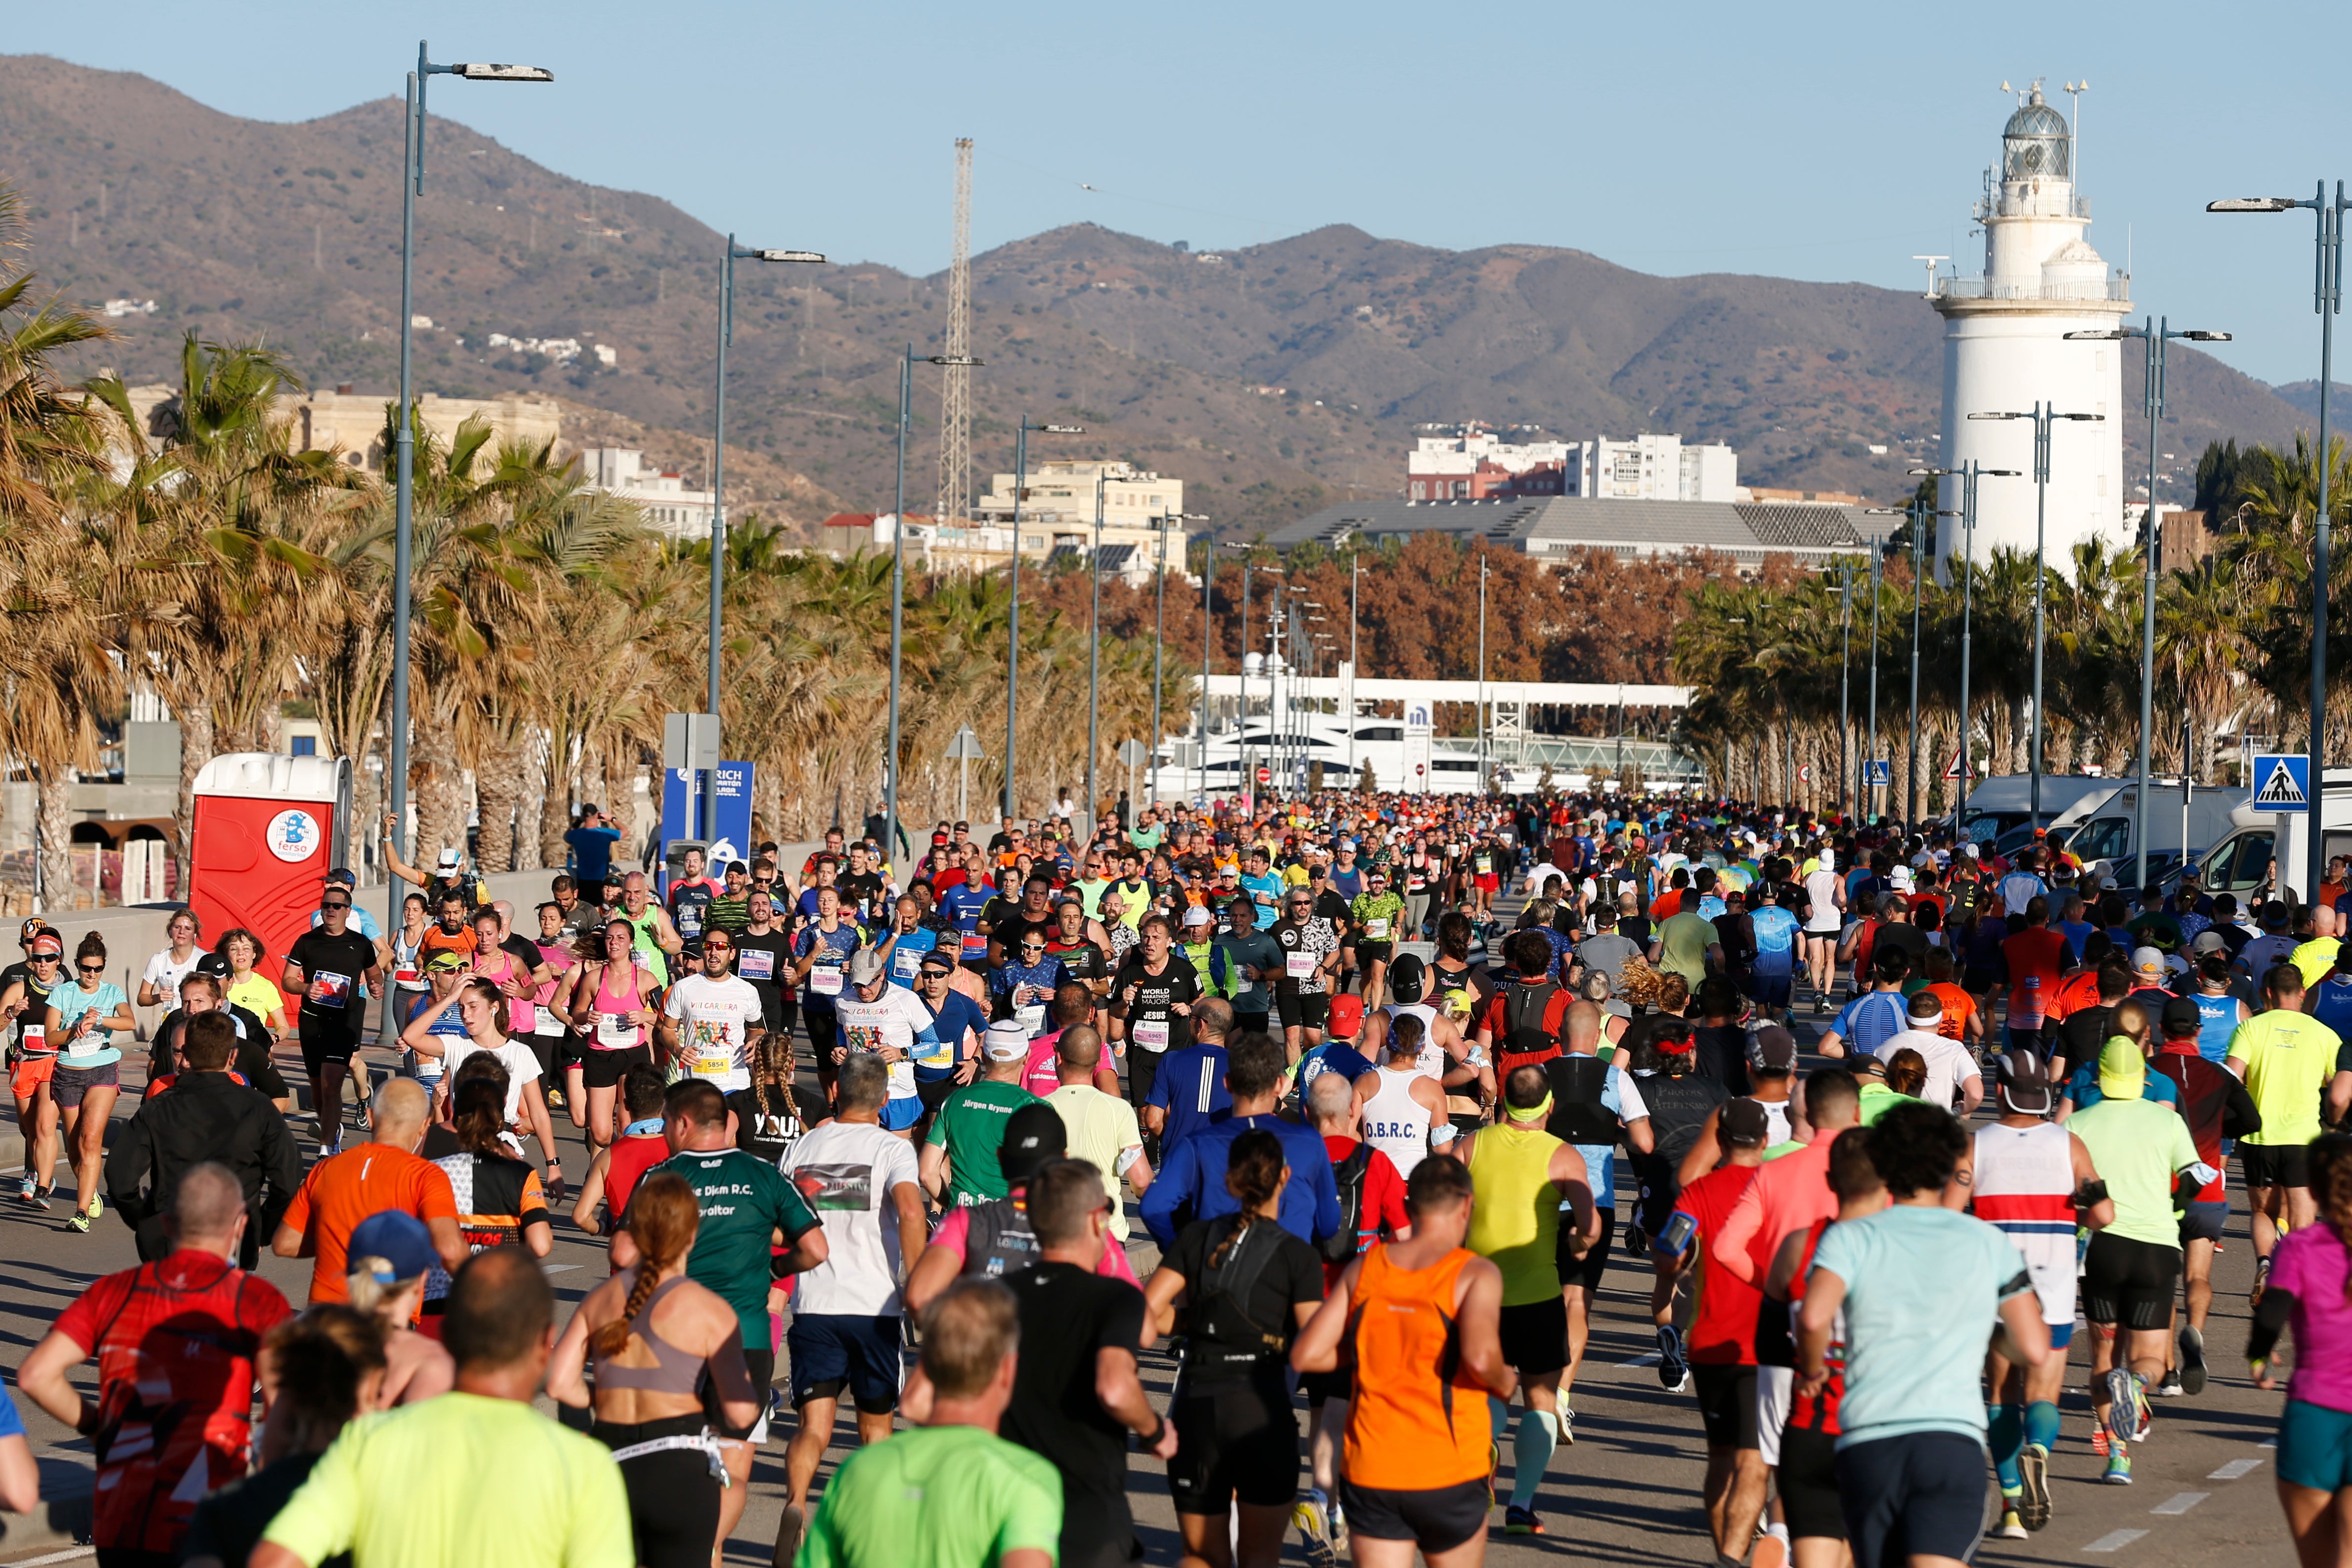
<point x="1416" y="1423"/>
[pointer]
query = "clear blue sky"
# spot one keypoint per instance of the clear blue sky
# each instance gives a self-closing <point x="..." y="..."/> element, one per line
<point x="1830" y="140"/>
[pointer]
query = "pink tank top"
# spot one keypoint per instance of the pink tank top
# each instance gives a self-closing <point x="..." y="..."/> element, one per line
<point x="606" y="1034"/>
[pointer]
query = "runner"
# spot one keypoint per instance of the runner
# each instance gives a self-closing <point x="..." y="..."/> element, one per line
<point x="334" y="970"/>
<point x="958" y="1163"/>
<point x="846" y="1333"/>
<point x="612" y="1175"/>
<point x="1402" y="1105"/>
<point x="2286" y="1060"/>
<point x="1532" y="1205"/>
<point x="176" y="1342"/>
<point x="1375" y="914"/>
<point x="611" y="1003"/>
<point x="881" y="1019"/>
<point x="342" y="1190"/>
<point x="2147" y="1160"/>
<point x="755" y="1228"/>
<point x="1824" y="904"/>
<point x="1422" y="1317"/>
<point x="2218" y="1108"/>
<point x="2032" y="1179"/>
<point x="710" y="1022"/>
<point x="83" y="1021"/>
<point x="1920" y="1287"/>
<point x="1252" y="1286"/>
<point x="1310" y="966"/>
<point x="2306" y="1292"/>
<point x="820" y="951"/>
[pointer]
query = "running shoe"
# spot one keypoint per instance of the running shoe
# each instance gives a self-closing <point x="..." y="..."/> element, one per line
<point x="2033" y="1497"/>
<point x="1673" y="1369"/>
<point x="1312" y="1515"/>
<point x="2124" y="1404"/>
<point x="1517" y="1520"/>
<point x="2191" y="1344"/>
<point x="79" y="1221"/>
<point x="26" y="1188"/>
<point x="788" y="1537"/>
<point x="97" y="1205"/>
<point x="2169" y="1386"/>
<point x="1567" y="1426"/>
<point x="2013" y="1527"/>
<point x="2118" y="1468"/>
<point x="1770" y="1550"/>
<point x="2261" y="1282"/>
<point x="1339" y="1529"/>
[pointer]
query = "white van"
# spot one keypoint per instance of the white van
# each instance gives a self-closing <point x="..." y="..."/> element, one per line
<point x="1998" y="804"/>
<point x="2239" y="860"/>
<point x="2102" y="831"/>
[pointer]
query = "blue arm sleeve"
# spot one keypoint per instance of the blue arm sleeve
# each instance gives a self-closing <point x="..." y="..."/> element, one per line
<point x="1171" y="1189"/>
<point x="1159" y="1095"/>
<point x="1326" y="1200"/>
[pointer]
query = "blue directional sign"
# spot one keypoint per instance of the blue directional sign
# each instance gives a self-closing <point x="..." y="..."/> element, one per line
<point x="2282" y="783"/>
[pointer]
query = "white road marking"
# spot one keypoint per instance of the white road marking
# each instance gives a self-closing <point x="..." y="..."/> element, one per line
<point x="2234" y="1469"/>
<point x="68" y="1555"/>
<point x="2114" y="1541"/>
<point x="2180" y="1502"/>
<point x="2267" y="1443"/>
<point x="1647" y="1358"/>
<point x="559" y="1267"/>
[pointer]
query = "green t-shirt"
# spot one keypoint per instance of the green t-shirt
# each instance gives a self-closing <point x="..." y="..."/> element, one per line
<point x="1378" y="915"/>
<point x="2138" y="1145"/>
<point x="1877" y="1099"/>
<point x="976" y="1497"/>
<point x="1146" y="838"/>
<point x="2289" y="1059"/>
<point x="1090" y="894"/>
<point x="969" y="1126"/>
<point x="730" y="915"/>
<point x="744" y="1201"/>
<point x="1683" y="942"/>
<point x="461" y="1481"/>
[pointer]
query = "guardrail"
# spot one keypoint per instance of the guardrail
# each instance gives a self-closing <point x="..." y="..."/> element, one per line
<point x="1985" y="288"/>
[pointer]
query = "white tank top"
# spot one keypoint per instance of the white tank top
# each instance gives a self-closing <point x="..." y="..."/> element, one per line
<point x="1430" y="1063"/>
<point x="1395" y="1122"/>
<point x="2025" y="1188"/>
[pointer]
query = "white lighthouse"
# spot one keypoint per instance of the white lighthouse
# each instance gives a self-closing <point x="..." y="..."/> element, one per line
<point x="2005" y="349"/>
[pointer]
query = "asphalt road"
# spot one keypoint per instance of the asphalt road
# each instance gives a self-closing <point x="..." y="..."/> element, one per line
<point x="1626" y="1492"/>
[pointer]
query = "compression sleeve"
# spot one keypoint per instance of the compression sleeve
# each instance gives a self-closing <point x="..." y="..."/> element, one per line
<point x="2272" y="1315"/>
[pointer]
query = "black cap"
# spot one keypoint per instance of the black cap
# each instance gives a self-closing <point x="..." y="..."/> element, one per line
<point x="1408" y="977"/>
<point x="2182" y="1017"/>
<point x="1032" y="1135"/>
<point x="2024" y="1082"/>
<point x="1773" y="1048"/>
<point x="1743" y="1123"/>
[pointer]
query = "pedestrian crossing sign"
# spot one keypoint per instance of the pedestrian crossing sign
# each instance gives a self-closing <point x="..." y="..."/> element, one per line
<point x="2282" y="782"/>
<point x="1878" y="772"/>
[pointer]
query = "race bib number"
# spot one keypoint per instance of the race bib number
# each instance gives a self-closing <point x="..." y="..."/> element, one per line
<point x="328" y="989"/>
<point x="689" y="919"/>
<point x="906" y="962"/>
<point x="825" y="982"/>
<point x="1031" y="1017"/>
<point x="1377" y="929"/>
<point x="641" y="959"/>
<point x="1302" y="965"/>
<point x="36" y="1042"/>
<point x="1152" y="1036"/>
<point x="975" y="944"/>
<point x="755" y="963"/>
<point x="614" y="1032"/>
<point x="407" y="978"/>
<point x="1485" y="865"/>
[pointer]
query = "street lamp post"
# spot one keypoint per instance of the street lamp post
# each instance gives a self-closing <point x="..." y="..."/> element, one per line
<point x="734" y="253"/>
<point x="403" y="439"/>
<point x="1094" y="663"/>
<point x="2043" y="417"/>
<point x="1160" y="637"/>
<point x="1845" y="676"/>
<point x="2156" y="333"/>
<point x="1870" y="752"/>
<point x="1967" y="473"/>
<point x="906" y="364"/>
<point x="1482" y="672"/>
<point x="1917" y="510"/>
<point x="1208" y="628"/>
<point x="1355" y="576"/>
<point x="1012" y="632"/>
<point x="2327" y="301"/>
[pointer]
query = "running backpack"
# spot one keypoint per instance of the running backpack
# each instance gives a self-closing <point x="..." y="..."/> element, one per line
<point x="1345" y="1242"/>
<point x="1220" y="1320"/>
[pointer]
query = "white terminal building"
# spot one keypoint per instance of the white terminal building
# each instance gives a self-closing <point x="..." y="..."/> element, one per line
<point x="2005" y="349"/>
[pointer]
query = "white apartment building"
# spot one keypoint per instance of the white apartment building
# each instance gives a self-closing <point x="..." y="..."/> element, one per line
<point x="668" y="505"/>
<point x="1471" y="463"/>
<point x="1057" y="513"/>
<point x="1651" y="467"/>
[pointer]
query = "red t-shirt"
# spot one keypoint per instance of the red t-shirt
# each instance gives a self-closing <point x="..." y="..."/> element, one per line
<point x="1383" y="1212"/>
<point x="176" y="1342"/>
<point x="632" y="1156"/>
<point x="2036" y="958"/>
<point x="2077" y="991"/>
<point x="1495" y="1016"/>
<point x="1725" y="1334"/>
<point x="1819" y="1412"/>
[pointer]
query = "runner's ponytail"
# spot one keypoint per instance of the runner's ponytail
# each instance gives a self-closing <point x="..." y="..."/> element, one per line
<point x="662" y="1217"/>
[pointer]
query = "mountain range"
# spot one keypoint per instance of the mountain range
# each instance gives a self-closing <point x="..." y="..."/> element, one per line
<point x="1271" y="379"/>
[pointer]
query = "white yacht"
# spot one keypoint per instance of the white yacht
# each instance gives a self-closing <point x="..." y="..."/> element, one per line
<point x="1452" y="766"/>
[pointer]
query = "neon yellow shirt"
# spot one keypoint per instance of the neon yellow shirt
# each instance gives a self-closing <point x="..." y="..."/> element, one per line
<point x="461" y="1481"/>
<point x="2289" y="1059"/>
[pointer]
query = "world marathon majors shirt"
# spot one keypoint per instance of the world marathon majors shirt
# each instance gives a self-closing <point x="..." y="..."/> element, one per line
<point x="1152" y="1022"/>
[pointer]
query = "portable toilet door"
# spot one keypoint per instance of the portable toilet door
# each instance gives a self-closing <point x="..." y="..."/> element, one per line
<point x="266" y="830"/>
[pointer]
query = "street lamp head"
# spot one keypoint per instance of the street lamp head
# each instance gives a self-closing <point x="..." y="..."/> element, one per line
<point x="2093" y="418"/>
<point x="811" y="256"/>
<point x="480" y="72"/>
<point x="2205" y="337"/>
<point x="2104" y="337"/>
<point x="1999" y="417"/>
<point x="1061" y="429"/>
<point x="2001" y="473"/>
<point x="957" y="361"/>
<point x="2255" y="204"/>
<point x="1922" y="473"/>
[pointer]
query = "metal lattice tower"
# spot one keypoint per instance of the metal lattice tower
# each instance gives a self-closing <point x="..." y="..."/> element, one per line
<point x="955" y="384"/>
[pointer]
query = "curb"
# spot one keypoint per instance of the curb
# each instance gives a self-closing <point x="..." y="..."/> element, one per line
<point x="59" y="1524"/>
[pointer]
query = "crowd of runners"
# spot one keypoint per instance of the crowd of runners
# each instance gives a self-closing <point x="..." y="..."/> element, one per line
<point x="1375" y="1090"/>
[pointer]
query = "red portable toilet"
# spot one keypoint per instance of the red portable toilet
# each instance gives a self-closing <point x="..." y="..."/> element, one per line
<point x="266" y="831"/>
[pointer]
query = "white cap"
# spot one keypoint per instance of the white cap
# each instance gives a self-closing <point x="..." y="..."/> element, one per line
<point x="2147" y="958"/>
<point x="1006" y="1041"/>
<point x="1198" y="915"/>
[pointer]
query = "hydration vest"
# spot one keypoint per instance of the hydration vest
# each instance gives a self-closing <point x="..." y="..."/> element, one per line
<point x="1576" y="1114"/>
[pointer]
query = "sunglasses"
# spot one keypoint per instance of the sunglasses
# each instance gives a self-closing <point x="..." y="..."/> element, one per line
<point x="46" y="958"/>
<point x="332" y="907"/>
<point x="92" y="968"/>
<point x="1032" y="947"/>
<point x="709" y="947"/>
